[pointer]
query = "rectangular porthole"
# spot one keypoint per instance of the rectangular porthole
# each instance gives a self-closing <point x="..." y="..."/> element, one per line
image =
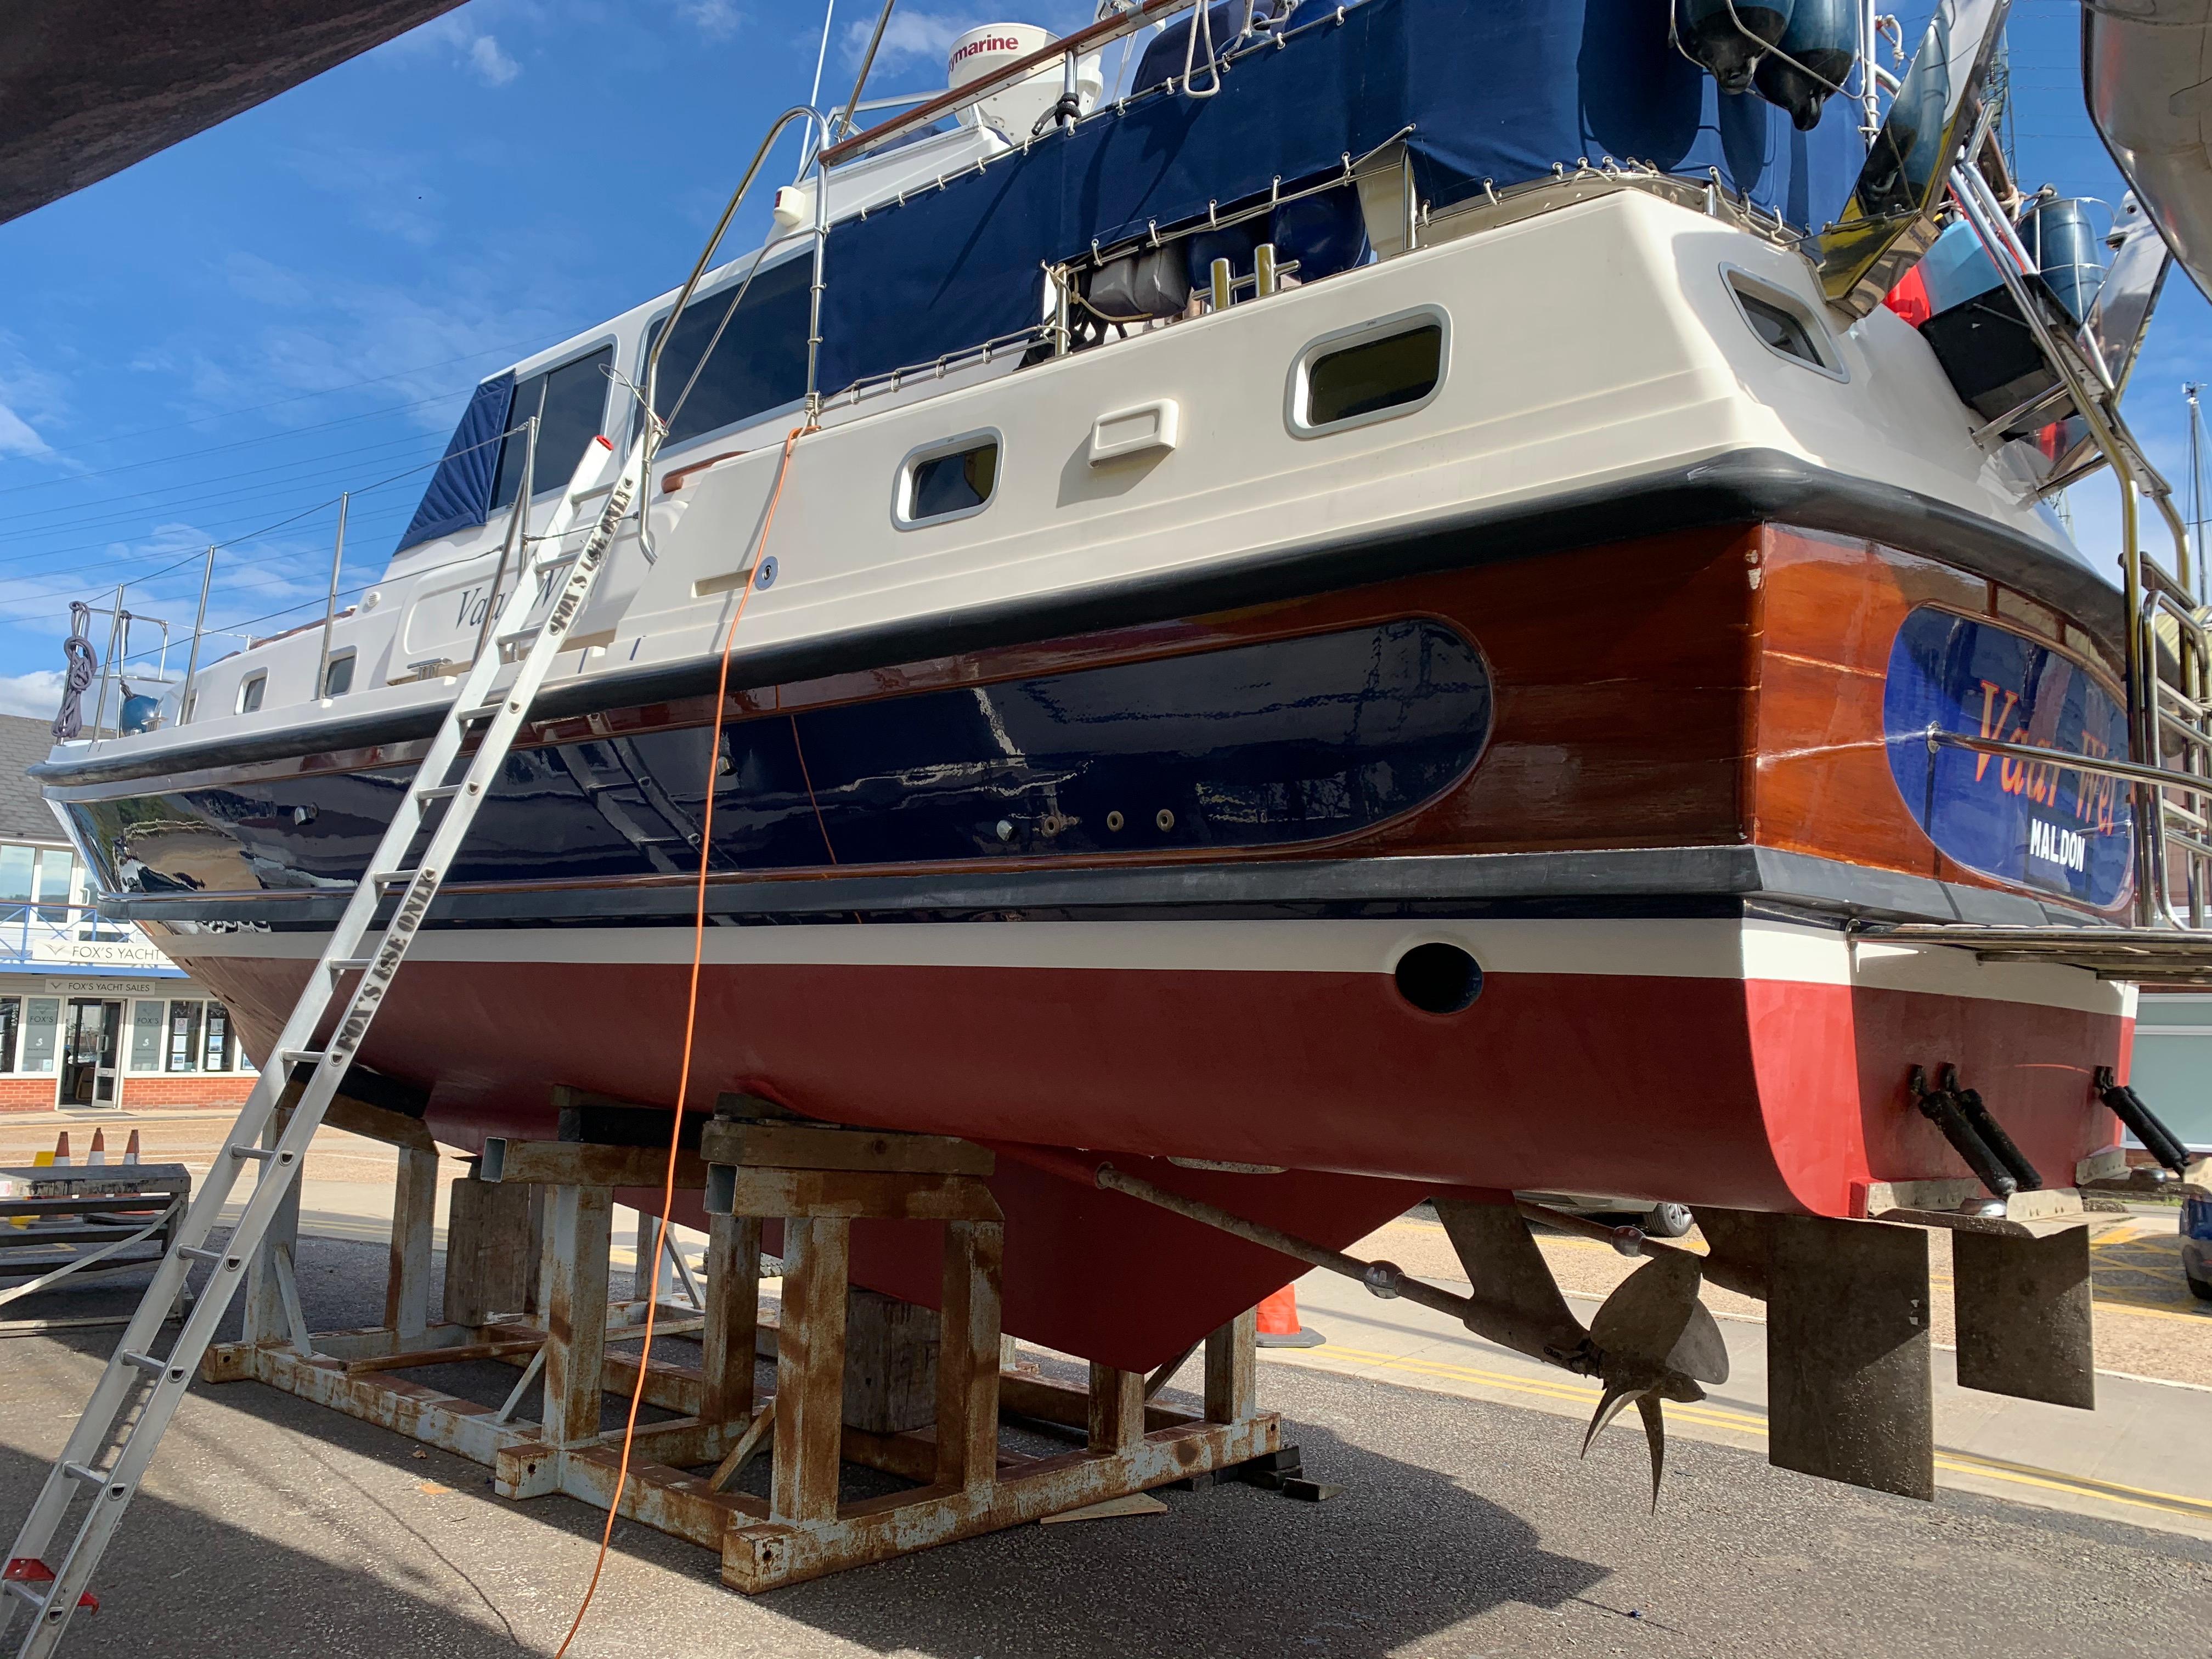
<point x="250" y="694"/>
<point x="950" y="479"/>
<point x="1374" y="372"/>
<point x="1779" y="329"/>
<point x="1783" y="323"/>
<point x="338" y="678"/>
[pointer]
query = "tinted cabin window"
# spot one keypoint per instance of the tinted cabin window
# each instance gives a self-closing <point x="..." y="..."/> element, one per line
<point x="1374" y="375"/>
<point x="249" y="695"/>
<point x="570" y="404"/>
<point x="337" y="680"/>
<point x="957" y="482"/>
<point x="759" y="363"/>
<point x="1778" y="329"/>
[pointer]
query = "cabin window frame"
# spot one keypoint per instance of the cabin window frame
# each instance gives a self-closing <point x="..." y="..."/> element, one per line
<point x="902" y="517"/>
<point x="1743" y="284"/>
<point x="1297" y="392"/>
<point x="551" y="363"/>
<point x="350" y="657"/>
<point x="253" y="692"/>
<point x="719" y="299"/>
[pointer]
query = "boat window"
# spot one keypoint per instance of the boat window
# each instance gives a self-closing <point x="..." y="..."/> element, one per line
<point x="1779" y="329"/>
<point x="1370" y="373"/>
<point x="338" y="678"/>
<point x="1782" y="323"/>
<point x="249" y="695"/>
<point x="759" y="362"/>
<point x="949" y="480"/>
<point x="570" y="404"/>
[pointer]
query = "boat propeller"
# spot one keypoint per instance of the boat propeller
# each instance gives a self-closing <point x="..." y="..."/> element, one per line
<point x="1655" y="1341"/>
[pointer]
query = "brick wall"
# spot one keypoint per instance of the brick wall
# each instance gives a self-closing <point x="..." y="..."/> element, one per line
<point x="142" y="1090"/>
<point x="35" y="1092"/>
<point x="29" y="1093"/>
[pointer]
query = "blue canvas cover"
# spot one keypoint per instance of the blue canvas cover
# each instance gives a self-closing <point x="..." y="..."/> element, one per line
<point x="1501" y="91"/>
<point x="459" y="497"/>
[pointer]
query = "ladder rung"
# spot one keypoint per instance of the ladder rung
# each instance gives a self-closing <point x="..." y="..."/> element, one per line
<point x="438" y="791"/>
<point x="260" y="1154"/>
<point x="556" y="561"/>
<point x="352" y="964"/>
<point x="484" y="712"/>
<point x="90" y="1476"/>
<point x="17" y="1587"/>
<point x="144" y="1362"/>
<point x="303" y="1056"/>
<point x="517" y="636"/>
<point x="392" y="878"/>
<point x="198" y="1253"/>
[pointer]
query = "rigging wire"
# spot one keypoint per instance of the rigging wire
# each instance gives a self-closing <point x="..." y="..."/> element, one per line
<point x="649" y="1272"/>
<point x="537" y="342"/>
<point x="18" y="530"/>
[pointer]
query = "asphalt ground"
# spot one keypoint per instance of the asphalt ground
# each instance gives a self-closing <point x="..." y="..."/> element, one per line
<point x="1466" y="1527"/>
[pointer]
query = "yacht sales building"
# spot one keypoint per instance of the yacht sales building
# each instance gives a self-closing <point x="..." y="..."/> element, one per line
<point x="92" y="1016"/>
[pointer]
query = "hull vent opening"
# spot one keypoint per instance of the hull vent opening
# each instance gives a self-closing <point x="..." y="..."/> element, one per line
<point x="1438" y="979"/>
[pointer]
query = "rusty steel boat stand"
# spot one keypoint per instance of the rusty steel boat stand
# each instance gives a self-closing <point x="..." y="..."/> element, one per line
<point x="754" y="1166"/>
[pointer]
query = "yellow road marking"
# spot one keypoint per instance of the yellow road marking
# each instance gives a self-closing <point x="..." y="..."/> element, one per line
<point x="2177" y="1307"/>
<point x="1957" y="1462"/>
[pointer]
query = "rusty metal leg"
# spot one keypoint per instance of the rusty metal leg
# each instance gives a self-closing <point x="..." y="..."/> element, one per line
<point x="1850" y="1394"/>
<point x="1231" y="1379"/>
<point x="533" y="1296"/>
<point x="266" y="1318"/>
<point x="2025" y="1316"/>
<point x="579" y="1221"/>
<point x="414" y="1212"/>
<point x="655" y="1274"/>
<point x="734" y="1252"/>
<point x="810" y="1368"/>
<point x="1117" y="1408"/>
<point x="968" y="1355"/>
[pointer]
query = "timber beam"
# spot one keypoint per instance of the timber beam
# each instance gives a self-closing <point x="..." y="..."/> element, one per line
<point x="755" y="1165"/>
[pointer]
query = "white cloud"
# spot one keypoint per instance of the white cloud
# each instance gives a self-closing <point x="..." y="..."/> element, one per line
<point x="718" y="20"/>
<point x="37" y="694"/>
<point x="390" y="189"/>
<point x="330" y="333"/>
<point x="16" y="437"/>
<point x="489" y="61"/>
<point x="456" y="37"/>
<point x="909" y="34"/>
<point x="30" y="397"/>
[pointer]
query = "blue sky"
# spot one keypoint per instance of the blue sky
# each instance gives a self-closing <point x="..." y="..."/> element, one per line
<point x="297" y="303"/>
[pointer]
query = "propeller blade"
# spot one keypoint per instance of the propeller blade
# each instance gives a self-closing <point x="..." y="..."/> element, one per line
<point x="1617" y="1395"/>
<point x="1699" y="1351"/>
<point x="1655" y="1431"/>
<point x="1648" y="1312"/>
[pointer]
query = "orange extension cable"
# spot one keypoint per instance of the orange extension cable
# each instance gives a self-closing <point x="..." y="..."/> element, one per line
<point x="651" y="1272"/>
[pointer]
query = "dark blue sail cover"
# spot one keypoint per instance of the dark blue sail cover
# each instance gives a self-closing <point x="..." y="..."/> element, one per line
<point x="1501" y="91"/>
<point x="459" y="497"/>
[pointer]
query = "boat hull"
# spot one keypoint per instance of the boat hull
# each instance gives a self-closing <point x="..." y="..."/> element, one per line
<point x="1731" y="1060"/>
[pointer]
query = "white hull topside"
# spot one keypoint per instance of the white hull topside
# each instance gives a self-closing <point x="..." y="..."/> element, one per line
<point x="1594" y="344"/>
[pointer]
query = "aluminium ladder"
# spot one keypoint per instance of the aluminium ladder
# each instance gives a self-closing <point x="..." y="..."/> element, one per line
<point x="107" y="1452"/>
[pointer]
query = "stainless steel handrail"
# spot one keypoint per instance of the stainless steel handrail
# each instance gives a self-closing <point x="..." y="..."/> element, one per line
<point x="2144" y="582"/>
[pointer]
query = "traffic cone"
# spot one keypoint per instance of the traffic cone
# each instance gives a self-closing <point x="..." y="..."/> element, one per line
<point x="1277" y="1325"/>
<point x="97" y="1156"/>
<point x="131" y="1151"/>
<point x="61" y="1150"/>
